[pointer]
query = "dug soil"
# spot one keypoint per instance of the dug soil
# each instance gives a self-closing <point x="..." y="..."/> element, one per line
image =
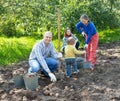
<point x="102" y="84"/>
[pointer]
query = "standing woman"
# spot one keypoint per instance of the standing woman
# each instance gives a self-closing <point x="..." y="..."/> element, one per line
<point x="88" y="29"/>
<point x="68" y="34"/>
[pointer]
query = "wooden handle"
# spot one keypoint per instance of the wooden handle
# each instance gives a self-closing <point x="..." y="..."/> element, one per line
<point x="58" y="30"/>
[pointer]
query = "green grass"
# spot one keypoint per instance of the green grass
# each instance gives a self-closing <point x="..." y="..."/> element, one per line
<point x="55" y="42"/>
<point x="13" y="50"/>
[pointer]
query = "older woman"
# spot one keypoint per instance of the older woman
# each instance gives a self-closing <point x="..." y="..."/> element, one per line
<point x="88" y="29"/>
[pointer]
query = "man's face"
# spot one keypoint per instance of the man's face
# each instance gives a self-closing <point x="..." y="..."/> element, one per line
<point x="47" y="38"/>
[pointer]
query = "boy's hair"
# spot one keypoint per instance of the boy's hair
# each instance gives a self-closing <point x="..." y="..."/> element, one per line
<point x="71" y="41"/>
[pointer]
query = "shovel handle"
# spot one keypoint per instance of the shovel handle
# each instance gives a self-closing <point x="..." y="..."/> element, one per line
<point x="86" y="54"/>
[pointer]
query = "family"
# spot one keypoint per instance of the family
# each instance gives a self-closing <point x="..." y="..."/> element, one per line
<point x="44" y="57"/>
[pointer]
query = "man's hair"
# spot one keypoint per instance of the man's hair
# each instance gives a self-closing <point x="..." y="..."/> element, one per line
<point x="47" y="32"/>
<point x="71" y="41"/>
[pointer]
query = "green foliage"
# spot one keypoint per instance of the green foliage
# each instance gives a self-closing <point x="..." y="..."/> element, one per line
<point x="108" y="36"/>
<point x="14" y="49"/>
<point x="33" y="17"/>
<point x="55" y="42"/>
<point x="105" y="36"/>
<point x="9" y="28"/>
<point x="101" y="15"/>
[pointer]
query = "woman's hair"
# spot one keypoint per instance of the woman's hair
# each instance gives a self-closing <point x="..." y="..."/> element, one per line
<point x="65" y="34"/>
<point x="71" y="41"/>
<point x="84" y="16"/>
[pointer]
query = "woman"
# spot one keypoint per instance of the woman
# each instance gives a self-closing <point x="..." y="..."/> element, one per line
<point x="88" y="29"/>
<point x="65" y="38"/>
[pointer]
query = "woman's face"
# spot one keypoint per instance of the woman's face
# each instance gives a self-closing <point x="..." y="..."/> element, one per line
<point x="85" y="22"/>
<point x="68" y="32"/>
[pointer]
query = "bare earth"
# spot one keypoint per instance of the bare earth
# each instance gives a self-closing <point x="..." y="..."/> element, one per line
<point x="102" y="84"/>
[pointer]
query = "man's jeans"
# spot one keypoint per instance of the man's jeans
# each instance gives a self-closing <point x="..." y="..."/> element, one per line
<point x="70" y="62"/>
<point x="35" y="66"/>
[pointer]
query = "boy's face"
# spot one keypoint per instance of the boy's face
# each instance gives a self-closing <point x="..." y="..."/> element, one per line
<point x="47" y="38"/>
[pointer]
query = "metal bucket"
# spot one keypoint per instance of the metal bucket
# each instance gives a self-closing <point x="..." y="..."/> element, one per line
<point x="80" y="62"/>
<point x="18" y="77"/>
<point x="31" y="81"/>
<point x="86" y="64"/>
<point x="60" y="75"/>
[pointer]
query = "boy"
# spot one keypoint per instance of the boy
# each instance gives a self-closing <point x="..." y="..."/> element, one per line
<point x="70" y="59"/>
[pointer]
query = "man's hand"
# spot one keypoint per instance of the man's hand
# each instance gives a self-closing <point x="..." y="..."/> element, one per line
<point x="86" y="46"/>
<point x="83" y="33"/>
<point x="52" y="77"/>
<point x="59" y="55"/>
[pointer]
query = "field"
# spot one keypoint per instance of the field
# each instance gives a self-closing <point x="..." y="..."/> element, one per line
<point x="102" y="84"/>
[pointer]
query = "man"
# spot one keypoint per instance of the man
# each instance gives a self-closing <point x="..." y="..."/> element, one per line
<point x="44" y="57"/>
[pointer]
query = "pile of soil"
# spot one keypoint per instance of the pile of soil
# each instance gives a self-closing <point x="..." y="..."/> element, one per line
<point x="102" y="84"/>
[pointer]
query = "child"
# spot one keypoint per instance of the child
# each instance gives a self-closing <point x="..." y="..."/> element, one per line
<point x="70" y="59"/>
